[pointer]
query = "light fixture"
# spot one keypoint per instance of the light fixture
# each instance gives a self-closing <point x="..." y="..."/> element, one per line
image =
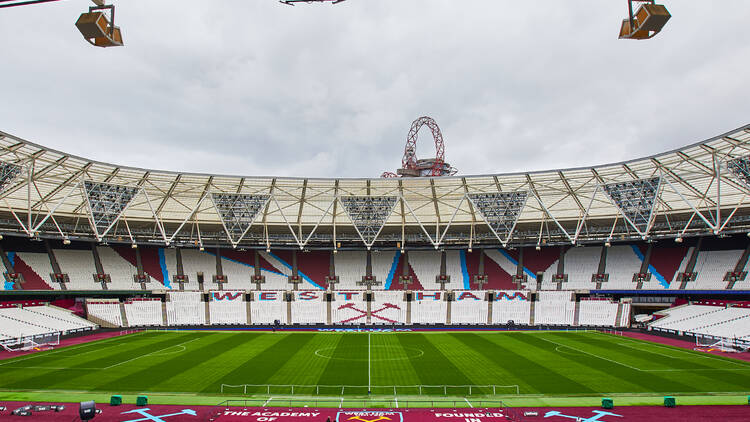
<point x="97" y="29"/>
<point x="646" y="22"/>
<point x="678" y="240"/>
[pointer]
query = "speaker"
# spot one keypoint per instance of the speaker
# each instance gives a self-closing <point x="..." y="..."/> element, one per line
<point x="87" y="410"/>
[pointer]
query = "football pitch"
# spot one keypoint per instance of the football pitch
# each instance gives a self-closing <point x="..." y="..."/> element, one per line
<point x="431" y="364"/>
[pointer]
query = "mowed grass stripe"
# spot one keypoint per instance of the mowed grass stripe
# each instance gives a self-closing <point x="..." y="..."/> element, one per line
<point x="306" y="367"/>
<point x="662" y="382"/>
<point x="433" y="368"/>
<point x="260" y="368"/>
<point x="37" y="359"/>
<point x="553" y="363"/>
<point x="638" y="344"/>
<point x="348" y="363"/>
<point x="642" y="359"/>
<point x="478" y="367"/>
<point x="391" y="363"/>
<point x="597" y="374"/>
<point x="728" y="375"/>
<point x="157" y="368"/>
<point x="541" y="378"/>
<point x="216" y="362"/>
<point x="50" y="378"/>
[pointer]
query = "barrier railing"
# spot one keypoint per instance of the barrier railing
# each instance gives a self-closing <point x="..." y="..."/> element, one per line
<point x="395" y="390"/>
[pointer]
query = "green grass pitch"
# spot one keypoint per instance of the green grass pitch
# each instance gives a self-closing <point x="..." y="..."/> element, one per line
<point x="545" y="363"/>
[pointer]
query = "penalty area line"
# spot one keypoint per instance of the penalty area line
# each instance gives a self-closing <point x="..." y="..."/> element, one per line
<point x="149" y="354"/>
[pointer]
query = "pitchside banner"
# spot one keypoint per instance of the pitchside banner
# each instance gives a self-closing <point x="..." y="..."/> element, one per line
<point x="343" y="415"/>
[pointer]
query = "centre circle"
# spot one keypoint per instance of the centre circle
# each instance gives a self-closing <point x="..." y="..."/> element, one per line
<point x="377" y="353"/>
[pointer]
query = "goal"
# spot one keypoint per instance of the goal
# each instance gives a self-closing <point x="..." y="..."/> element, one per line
<point x="24" y="344"/>
<point x="722" y="344"/>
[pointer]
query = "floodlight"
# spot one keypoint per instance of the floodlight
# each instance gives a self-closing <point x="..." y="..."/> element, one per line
<point x="646" y="22"/>
<point x="97" y="28"/>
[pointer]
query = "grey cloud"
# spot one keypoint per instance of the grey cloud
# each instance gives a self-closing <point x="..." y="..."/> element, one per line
<point x="259" y="88"/>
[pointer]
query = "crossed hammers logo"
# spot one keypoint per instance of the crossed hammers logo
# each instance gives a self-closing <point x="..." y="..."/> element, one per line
<point x="373" y="313"/>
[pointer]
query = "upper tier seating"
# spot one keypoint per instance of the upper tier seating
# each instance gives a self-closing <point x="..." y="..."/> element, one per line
<point x="711" y="267"/>
<point x="622" y="263"/>
<point x="276" y="280"/>
<point x="40" y="265"/>
<point x="195" y="261"/>
<point x="350" y="267"/>
<point x="120" y="271"/>
<point x="717" y="256"/>
<point x="237" y="274"/>
<point x="580" y="265"/>
<point x="79" y="266"/>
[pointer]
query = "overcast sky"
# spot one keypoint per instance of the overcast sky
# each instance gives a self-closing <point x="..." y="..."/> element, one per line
<point x="254" y="87"/>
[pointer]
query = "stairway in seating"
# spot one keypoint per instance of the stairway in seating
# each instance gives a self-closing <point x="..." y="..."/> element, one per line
<point x="577" y="314"/>
<point x="618" y="317"/>
<point x="122" y="316"/>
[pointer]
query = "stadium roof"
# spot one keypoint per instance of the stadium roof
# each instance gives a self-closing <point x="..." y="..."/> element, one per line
<point x="699" y="189"/>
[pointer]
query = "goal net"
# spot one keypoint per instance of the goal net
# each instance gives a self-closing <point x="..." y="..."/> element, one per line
<point x="38" y="343"/>
<point x="722" y="344"/>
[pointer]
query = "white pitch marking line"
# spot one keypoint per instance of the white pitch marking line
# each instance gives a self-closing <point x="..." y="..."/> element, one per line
<point x="64" y="349"/>
<point x="679" y="349"/>
<point x="149" y="354"/>
<point x="267" y="401"/>
<point x="369" y="376"/>
<point x="467" y="402"/>
<point x="396" y="399"/>
<point x="592" y="354"/>
<point x="341" y="403"/>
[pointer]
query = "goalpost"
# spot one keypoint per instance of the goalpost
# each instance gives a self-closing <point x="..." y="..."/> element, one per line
<point x="24" y="344"/>
<point x="722" y="344"/>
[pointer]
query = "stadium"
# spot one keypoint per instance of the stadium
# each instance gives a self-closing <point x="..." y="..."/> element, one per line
<point x="609" y="292"/>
